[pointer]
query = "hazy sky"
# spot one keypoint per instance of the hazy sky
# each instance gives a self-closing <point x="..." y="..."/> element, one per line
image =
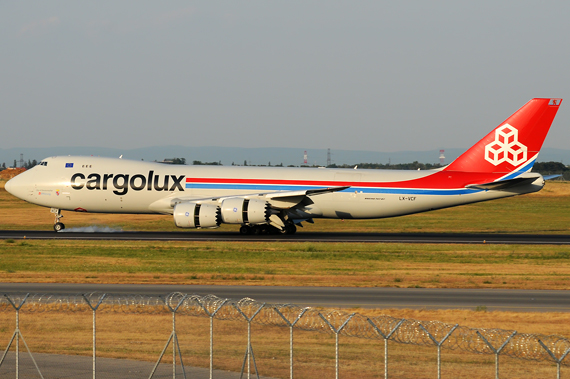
<point x="381" y="76"/>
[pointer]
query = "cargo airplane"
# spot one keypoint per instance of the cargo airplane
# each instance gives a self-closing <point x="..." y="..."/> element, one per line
<point x="264" y="199"/>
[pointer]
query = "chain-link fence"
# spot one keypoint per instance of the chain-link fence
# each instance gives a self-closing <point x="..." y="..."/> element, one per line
<point x="180" y="329"/>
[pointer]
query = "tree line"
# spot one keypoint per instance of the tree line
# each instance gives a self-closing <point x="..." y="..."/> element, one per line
<point x="415" y="165"/>
<point x="552" y="168"/>
<point x="27" y="165"/>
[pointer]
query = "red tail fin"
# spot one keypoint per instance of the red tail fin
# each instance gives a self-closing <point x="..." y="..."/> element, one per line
<point x="514" y="144"/>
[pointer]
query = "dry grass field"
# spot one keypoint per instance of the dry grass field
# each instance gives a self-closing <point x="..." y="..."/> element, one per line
<point x="142" y="337"/>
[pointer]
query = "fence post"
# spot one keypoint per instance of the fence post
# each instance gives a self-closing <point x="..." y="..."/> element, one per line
<point x="558" y="361"/>
<point x="386" y="337"/>
<point x="173" y="336"/>
<point x="211" y="315"/>
<point x="18" y="334"/>
<point x="249" y="349"/>
<point x="438" y="344"/>
<point x="336" y="332"/>
<point x="291" y="325"/>
<point x="94" y="309"/>
<point x="497" y="351"/>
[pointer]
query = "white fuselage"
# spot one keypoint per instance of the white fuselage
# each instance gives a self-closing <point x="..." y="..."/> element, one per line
<point x="108" y="185"/>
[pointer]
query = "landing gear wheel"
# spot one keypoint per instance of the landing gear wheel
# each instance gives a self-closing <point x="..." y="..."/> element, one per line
<point x="57" y="226"/>
<point x="289" y="229"/>
<point x="244" y="230"/>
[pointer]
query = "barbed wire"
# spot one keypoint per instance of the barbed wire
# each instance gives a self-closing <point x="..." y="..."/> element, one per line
<point x="408" y="331"/>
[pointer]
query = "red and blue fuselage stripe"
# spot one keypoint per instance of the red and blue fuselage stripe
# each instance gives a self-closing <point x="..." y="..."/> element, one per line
<point x="434" y="183"/>
<point x="270" y="185"/>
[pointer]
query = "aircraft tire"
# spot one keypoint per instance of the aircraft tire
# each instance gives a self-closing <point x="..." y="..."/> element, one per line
<point x="290" y="229"/>
<point x="244" y="230"/>
<point x="58" y="226"/>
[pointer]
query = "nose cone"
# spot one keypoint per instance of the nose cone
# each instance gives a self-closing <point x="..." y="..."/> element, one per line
<point x="15" y="187"/>
<point x="9" y="186"/>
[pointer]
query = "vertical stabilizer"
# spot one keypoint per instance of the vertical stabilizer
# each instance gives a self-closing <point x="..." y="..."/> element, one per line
<point x="514" y="144"/>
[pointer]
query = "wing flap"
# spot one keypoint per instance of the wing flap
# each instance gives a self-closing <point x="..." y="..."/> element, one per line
<point x="285" y="194"/>
<point x="288" y="199"/>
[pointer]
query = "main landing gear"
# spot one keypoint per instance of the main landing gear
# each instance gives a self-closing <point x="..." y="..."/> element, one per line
<point x="289" y="228"/>
<point x="57" y="226"/>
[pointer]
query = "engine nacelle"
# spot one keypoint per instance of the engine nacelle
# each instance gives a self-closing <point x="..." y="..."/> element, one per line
<point x="237" y="210"/>
<point x="194" y="215"/>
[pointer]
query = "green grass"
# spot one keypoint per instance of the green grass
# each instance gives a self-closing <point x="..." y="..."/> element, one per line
<point x="336" y="264"/>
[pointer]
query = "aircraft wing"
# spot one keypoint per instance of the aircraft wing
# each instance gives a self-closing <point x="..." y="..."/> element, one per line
<point x="288" y="199"/>
<point x="278" y="200"/>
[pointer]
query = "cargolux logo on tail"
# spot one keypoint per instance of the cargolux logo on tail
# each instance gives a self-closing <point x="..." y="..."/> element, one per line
<point x="506" y="147"/>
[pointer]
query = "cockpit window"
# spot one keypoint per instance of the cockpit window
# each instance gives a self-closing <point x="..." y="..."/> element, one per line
<point x="43" y="163"/>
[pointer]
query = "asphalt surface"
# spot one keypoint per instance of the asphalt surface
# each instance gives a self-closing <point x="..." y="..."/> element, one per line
<point x="334" y="297"/>
<point x="458" y="238"/>
<point x="81" y="367"/>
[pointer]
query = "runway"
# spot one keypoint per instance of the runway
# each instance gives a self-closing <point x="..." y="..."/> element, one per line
<point x="445" y="238"/>
<point x="335" y="297"/>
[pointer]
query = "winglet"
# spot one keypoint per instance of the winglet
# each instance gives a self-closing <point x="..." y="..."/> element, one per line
<point x="514" y="144"/>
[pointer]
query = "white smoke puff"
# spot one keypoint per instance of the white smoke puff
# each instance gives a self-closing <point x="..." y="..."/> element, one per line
<point x="92" y="229"/>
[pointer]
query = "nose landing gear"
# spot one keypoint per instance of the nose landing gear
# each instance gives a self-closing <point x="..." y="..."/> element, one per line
<point x="57" y="226"/>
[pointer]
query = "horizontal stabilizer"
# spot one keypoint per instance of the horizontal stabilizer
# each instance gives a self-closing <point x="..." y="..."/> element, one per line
<point x="549" y="177"/>
<point x="508" y="183"/>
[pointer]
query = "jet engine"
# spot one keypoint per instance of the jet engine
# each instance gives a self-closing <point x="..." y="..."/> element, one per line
<point x="194" y="215"/>
<point x="237" y="210"/>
